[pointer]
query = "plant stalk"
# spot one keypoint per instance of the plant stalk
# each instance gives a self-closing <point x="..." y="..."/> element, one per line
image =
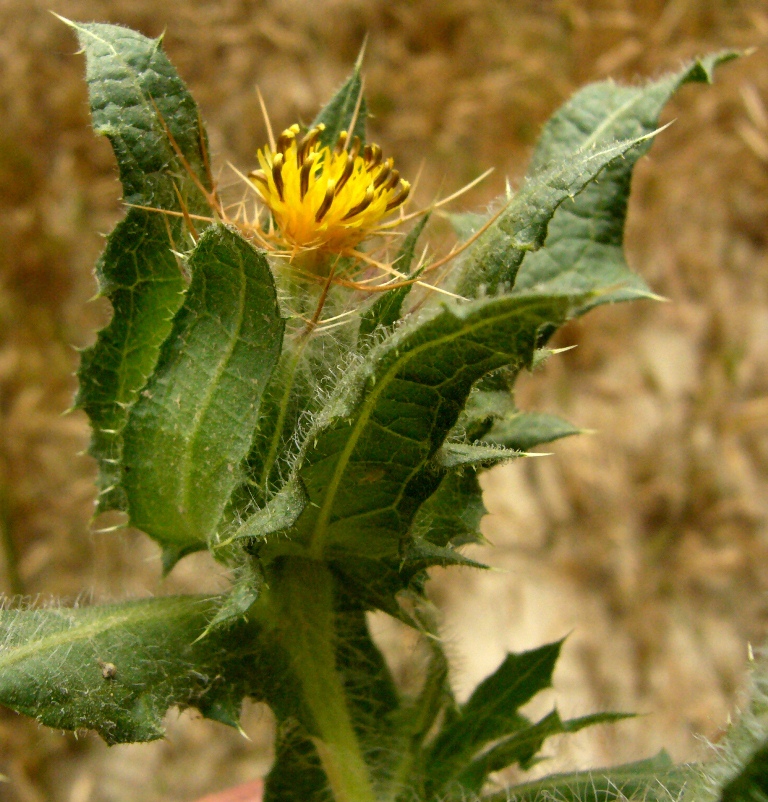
<point x="304" y="594"/>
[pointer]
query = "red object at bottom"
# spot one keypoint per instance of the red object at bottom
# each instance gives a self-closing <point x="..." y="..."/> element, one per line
<point x="250" y="792"/>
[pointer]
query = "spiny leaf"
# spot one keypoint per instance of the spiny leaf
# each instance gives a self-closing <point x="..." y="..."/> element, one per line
<point x="525" y="430"/>
<point x="246" y="588"/>
<point x="118" y="668"/>
<point x="656" y="779"/>
<point x="521" y="747"/>
<point x="584" y="246"/>
<point x="136" y="99"/>
<point x="452" y="514"/>
<point x="474" y="455"/>
<point x="420" y="554"/>
<point x="493" y="262"/>
<point x="143" y="281"/>
<point x="490" y="713"/>
<point x="386" y="310"/>
<point x="337" y="115"/>
<point x="279" y="514"/>
<point x="751" y="783"/>
<point x="367" y="463"/>
<point x="492" y="417"/>
<point x="188" y="433"/>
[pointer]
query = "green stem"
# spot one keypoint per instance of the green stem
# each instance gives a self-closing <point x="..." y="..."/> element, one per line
<point x="303" y="591"/>
<point x="312" y="263"/>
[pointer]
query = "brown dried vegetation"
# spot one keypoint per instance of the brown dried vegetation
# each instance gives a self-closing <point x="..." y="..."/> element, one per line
<point x="648" y="538"/>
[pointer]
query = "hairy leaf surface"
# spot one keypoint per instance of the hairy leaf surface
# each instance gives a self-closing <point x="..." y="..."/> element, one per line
<point x="584" y="246"/>
<point x="656" y="779"/>
<point x="452" y="514"/>
<point x="367" y="465"/>
<point x="142" y="279"/>
<point x="522" y="747"/>
<point x="386" y="310"/>
<point x="493" y="262"/>
<point x="297" y="774"/>
<point x="137" y="101"/>
<point x="339" y="113"/>
<point x="118" y="668"/>
<point x="490" y="713"/>
<point x="193" y="424"/>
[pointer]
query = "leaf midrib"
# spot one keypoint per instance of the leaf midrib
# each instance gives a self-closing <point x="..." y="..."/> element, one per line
<point x="187" y="458"/>
<point x="323" y="518"/>
<point x="86" y="631"/>
<point x="130" y="71"/>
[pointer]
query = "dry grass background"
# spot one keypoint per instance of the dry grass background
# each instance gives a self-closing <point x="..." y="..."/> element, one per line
<point x="648" y="539"/>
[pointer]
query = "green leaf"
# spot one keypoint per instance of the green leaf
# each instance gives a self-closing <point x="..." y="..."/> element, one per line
<point x="452" y="514"/>
<point x="493" y="262"/>
<point x="464" y="455"/>
<point x="465" y="224"/>
<point x="490" y="713"/>
<point x="751" y="783"/>
<point x="656" y="779"/>
<point x="297" y="774"/>
<point x="117" y="669"/>
<point x="584" y="246"/>
<point x="136" y="99"/>
<point x="144" y="282"/>
<point x="524" y="430"/>
<point x="370" y="689"/>
<point x="337" y="115"/>
<point x="188" y="433"/>
<point x="492" y="417"/>
<point x="386" y="310"/>
<point x="367" y="463"/>
<point x="279" y="514"/>
<point x="289" y="396"/>
<point x="246" y="589"/>
<point x="523" y="746"/>
<point x="421" y="554"/>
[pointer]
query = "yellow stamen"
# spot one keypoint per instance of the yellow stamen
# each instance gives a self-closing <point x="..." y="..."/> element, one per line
<point x="345" y="176"/>
<point x="372" y="156"/>
<point x="341" y="142"/>
<point x="327" y="201"/>
<point x="362" y="206"/>
<point x="384" y="172"/>
<point x="277" y="175"/>
<point x="306" y="169"/>
<point x="326" y="198"/>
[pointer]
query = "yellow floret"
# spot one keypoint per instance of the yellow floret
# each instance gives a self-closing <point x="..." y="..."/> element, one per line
<point x="326" y="199"/>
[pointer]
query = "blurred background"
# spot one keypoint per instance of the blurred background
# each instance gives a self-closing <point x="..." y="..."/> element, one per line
<point x="646" y="540"/>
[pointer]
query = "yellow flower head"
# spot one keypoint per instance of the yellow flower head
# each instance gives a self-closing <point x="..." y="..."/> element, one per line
<point x="326" y="199"/>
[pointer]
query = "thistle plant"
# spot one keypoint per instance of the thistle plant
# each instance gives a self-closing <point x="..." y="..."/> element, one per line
<point x="292" y="381"/>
